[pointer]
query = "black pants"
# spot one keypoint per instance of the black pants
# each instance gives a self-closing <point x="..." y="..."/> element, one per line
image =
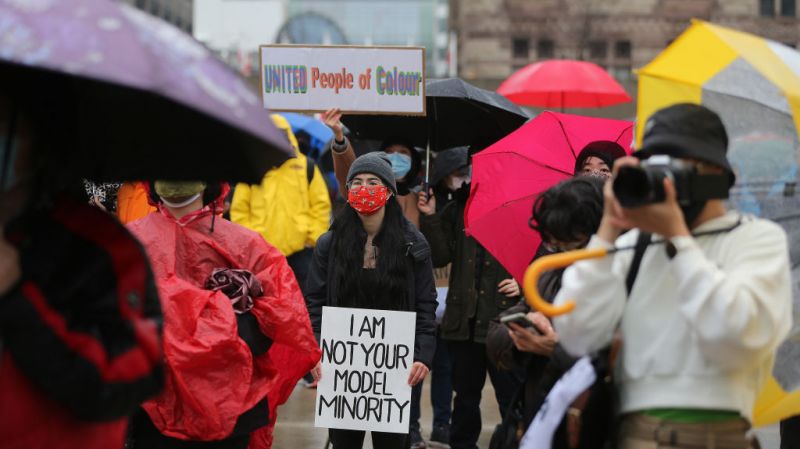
<point x="354" y="439"/>
<point x="144" y="435"/>
<point x="470" y="366"/>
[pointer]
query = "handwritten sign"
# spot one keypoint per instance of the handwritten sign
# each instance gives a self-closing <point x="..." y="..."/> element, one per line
<point x="365" y="80"/>
<point x="366" y="358"/>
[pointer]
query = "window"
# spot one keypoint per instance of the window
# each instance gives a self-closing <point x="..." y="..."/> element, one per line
<point x="519" y="48"/>
<point x="545" y="49"/>
<point x="154" y="8"/>
<point x="140" y="4"/>
<point x="787" y="8"/>
<point x="622" y="49"/>
<point x="598" y="49"/>
<point x="766" y="8"/>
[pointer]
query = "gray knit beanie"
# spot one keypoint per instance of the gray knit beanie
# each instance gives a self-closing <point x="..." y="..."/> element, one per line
<point x="376" y="163"/>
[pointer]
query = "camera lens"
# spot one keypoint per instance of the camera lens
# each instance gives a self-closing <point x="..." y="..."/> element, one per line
<point x="632" y="187"/>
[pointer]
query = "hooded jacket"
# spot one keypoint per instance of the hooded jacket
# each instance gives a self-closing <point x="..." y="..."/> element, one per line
<point x="80" y="342"/>
<point x="213" y="376"/>
<point x="287" y="209"/>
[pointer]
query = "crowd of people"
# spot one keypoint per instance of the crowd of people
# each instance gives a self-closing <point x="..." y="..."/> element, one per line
<point x="143" y="317"/>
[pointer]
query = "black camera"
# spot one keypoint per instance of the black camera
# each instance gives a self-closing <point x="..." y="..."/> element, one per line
<point x="640" y="185"/>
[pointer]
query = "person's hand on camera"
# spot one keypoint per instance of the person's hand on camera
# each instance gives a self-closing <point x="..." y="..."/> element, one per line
<point x="664" y="218"/>
<point x="426" y="203"/>
<point x="508" y="287"/>
<point x="332" y="119"/>
<point x="527" y="341"/>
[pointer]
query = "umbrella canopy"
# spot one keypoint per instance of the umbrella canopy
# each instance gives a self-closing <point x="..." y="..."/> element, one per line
<point x="563" y="83"/>
<point x="320" y="134"/>
<point x="754" y="85"/>
<point x="458" y="114"/>
<point x="509" y="175"/>
<point x="146" y="100"/>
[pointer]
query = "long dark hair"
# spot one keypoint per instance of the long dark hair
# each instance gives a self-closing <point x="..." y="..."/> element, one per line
<point x="392" y="266"/>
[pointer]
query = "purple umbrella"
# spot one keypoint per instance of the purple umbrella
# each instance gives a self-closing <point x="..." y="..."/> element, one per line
<point x="144" y="100"/>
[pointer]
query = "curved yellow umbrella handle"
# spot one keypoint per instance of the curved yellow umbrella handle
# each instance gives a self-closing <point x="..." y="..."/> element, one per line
<point x="551" y="262"/>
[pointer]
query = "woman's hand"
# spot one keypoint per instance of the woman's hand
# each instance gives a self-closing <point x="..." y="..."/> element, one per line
<point x="527" y="341"/>
<point x="426" y="203"/>
<point x="418" y="372"/>
<point x="316" y="372"/>
<point x="332" y="119"/>
<point x="508" y="287"/>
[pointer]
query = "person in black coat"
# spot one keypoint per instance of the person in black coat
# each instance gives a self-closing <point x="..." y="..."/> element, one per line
<point x="565" y="216"/>
<point x="374" y="258"/>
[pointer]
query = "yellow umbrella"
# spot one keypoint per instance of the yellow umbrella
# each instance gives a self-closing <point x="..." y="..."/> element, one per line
<point x="754" y="85"/>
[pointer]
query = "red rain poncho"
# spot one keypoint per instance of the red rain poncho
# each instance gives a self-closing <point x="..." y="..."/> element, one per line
<point x="212" y="376"/>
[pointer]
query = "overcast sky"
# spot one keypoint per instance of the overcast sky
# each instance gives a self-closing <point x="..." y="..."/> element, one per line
<point x="232" y="24"/>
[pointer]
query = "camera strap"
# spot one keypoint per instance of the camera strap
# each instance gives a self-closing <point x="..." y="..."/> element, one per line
<point x="642" y="242"/>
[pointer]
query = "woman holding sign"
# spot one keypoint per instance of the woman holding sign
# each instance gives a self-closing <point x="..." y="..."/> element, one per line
<point x="374" y="258"/>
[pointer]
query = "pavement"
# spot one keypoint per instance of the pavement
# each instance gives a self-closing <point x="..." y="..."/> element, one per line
<point x="295" y="428"/>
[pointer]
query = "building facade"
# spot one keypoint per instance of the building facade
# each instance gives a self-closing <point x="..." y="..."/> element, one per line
<point x="421" y="23"/>
<point x="497" y="37"/>
<point x="176" y="12"/>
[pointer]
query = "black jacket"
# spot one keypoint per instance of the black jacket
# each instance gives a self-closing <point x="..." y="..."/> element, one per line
<point x="320" y="286"/>
<point x="472" y="297"/>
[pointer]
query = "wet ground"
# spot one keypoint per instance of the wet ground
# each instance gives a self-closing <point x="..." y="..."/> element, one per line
<point x="295" y="429"/>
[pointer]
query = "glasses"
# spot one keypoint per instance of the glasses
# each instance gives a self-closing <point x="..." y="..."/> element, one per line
<point x="358" y="183"/>
<point x="561" y="247"/>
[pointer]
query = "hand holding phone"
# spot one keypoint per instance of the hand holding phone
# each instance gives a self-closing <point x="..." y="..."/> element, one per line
<point x="522" y="320"/>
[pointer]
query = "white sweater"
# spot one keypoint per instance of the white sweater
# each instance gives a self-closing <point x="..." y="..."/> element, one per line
<point x="700" y="330"/>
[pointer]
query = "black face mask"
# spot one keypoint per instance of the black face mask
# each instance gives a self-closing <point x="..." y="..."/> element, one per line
<point x="692" y="211"/>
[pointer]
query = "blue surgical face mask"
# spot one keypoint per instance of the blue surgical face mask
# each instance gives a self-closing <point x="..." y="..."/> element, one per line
<point x="401" y="164"/>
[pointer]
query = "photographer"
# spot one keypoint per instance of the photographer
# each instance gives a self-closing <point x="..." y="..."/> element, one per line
<point x="711" y="299"/>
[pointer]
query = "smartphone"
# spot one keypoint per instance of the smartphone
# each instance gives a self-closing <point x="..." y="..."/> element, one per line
<point x="521" y="319"/>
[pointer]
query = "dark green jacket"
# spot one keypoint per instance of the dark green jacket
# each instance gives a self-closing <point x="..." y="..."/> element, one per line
<point x="472" y="298"/>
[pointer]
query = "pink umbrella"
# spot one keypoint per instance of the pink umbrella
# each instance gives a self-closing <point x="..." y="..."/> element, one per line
<point x="509" y="175"/>
<point x="563" y="83"/>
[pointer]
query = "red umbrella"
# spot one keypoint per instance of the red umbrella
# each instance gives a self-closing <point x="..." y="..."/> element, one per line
<point x="508" y="176"/>
<point x="563" y="83"/>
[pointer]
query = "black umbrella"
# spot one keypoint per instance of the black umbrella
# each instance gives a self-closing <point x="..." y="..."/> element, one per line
<point x="458" y="114"/>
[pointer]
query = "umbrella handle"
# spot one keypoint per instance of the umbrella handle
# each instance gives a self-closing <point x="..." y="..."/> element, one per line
<point x="547" y="263"/>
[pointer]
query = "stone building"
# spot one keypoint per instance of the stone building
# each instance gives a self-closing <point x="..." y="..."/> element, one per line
<point x="497" y="37"/>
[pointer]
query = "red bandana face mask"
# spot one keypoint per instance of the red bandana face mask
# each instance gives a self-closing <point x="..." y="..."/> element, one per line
<point x="368" y="200"/>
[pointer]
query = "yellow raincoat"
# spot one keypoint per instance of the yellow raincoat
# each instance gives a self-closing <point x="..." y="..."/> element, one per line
<point x="285" y="208"/>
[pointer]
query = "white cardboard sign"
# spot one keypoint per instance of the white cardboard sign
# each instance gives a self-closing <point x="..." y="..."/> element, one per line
<point x="365" y="80"/>
<point x="366" y="359"/>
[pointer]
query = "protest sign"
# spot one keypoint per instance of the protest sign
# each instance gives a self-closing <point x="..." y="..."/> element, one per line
<point x="364" y="80"/>
<point x="366" y="359"/>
